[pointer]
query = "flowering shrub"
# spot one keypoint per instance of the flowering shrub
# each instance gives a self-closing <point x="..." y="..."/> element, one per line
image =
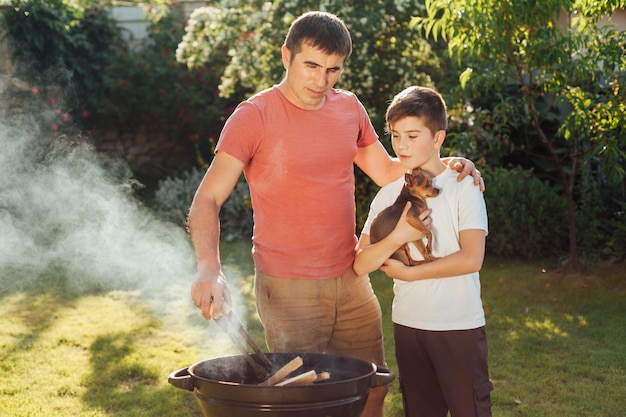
<point x="53" y="114"/>
<point x="53" y="48"/>
<point x="387" y="55"/>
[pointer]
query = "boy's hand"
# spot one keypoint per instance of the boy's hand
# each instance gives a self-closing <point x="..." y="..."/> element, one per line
<point x="404" y="232"/>
<point x="394" y="268"/>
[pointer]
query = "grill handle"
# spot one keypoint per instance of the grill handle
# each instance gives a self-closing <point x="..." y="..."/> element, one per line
<point x="382" y="376"/>
<point x="181" y="379"/>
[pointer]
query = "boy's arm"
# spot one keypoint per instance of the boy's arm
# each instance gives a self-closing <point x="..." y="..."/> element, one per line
<point x="465" y="261"/>
<point x="369" y="257"/>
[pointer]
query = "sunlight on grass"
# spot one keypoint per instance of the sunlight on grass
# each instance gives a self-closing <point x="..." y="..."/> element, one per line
<point x="96" y="355"/>
<point x="545" y="328"/>
<point x="581" y="320"/>
<point x="557" y="348"/>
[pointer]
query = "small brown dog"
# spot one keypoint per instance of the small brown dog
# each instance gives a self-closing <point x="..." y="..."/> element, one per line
<point x="418" y="186"/>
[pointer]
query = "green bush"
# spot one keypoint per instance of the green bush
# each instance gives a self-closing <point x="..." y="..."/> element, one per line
<point x="61" y="52"/>
<point x="174" y="195"/>
<point x="601" y="223"/>
<point x="80" y="66"/>
<point x="527" y="218"/>
<point x="614" y="248"/>
<point x="147" y="87"/>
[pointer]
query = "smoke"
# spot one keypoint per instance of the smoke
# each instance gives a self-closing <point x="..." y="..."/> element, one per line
<point x="69" y="221"/>
<point x="68" y="214"/>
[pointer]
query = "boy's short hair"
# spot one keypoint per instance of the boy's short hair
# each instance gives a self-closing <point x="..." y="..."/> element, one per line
<point x="422" y="102"/>
<point x="320" y="30"/>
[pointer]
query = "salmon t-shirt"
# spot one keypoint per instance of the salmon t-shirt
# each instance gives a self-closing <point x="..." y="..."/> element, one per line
<point x="299" y="167"/>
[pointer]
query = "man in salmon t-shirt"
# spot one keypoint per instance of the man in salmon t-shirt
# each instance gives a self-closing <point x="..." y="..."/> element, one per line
<point x="296" y="143"/>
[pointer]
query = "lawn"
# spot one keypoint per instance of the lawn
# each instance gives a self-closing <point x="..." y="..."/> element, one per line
<point x="557" y="343"/>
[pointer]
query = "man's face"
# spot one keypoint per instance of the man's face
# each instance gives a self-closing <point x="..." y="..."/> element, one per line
<point x="310" y="74"/>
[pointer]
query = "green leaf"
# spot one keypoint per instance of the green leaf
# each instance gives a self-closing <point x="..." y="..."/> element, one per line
<point x="465" y="76"/>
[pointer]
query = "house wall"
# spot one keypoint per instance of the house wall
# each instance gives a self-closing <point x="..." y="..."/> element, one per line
<point x="131" y="21"/>
<point x="188" y="6"/>
<point x="617" y="19"/>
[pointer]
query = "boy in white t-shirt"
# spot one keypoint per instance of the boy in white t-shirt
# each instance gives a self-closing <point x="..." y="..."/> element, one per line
<point x="439" y="322"/>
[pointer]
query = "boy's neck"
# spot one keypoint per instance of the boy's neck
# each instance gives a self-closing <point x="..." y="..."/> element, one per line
<point x="434" y="167"/>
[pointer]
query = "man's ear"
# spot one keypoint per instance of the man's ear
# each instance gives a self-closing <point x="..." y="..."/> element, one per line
<point x="286" y="54"/>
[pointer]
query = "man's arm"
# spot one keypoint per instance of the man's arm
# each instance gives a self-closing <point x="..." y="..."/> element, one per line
<point x="383" y="169"/>
<point x="210" y="289"/>
<point x="465" y="167"/>
<point x="378" y="165"/>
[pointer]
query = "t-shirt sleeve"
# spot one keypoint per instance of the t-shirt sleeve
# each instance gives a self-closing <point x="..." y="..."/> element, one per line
<point x="367" y="135"/>
<point x="473" y="212"/>
<point x="239" y="137"/>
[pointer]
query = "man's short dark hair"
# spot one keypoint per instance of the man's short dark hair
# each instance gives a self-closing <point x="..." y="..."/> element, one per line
<point x="321" y="30"/>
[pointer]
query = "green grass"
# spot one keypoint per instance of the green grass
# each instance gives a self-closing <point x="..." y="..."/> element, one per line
<point x="557" y="344"/>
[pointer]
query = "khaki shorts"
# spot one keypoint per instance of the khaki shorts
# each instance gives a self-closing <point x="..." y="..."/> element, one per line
<point x="338" y="316"/>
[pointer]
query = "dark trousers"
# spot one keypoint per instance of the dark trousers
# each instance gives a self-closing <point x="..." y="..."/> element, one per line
<point x="441" y="371"/>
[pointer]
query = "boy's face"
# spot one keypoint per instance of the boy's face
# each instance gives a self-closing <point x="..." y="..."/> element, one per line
<point x="311" y="73"/>
<point x="413" y="143"/>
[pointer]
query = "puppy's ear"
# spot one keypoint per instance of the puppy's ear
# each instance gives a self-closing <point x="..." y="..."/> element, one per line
<point x="421" y="177"/>
<point x="409" y="180"/>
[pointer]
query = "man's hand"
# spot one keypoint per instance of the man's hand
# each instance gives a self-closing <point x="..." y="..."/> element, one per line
<point x="210" y="293"/>
<point x="465" y="167"/>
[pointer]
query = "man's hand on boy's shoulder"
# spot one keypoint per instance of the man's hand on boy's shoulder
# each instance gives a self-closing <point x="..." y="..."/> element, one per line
<point x="465" y="167"/>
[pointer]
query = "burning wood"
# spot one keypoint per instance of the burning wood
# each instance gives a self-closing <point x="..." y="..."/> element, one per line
<point x="322" y="376"/>
<point x="284" y="372"/>
<point x="279" y="379"/>
<point x="302" y="379"/>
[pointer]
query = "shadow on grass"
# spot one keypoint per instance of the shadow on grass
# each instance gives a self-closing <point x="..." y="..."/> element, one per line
<point x="119" y="383"/>
<point x="35" y="307"/>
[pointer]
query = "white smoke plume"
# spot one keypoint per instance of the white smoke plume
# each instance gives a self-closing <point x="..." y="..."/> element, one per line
<point x="65" y="213"/>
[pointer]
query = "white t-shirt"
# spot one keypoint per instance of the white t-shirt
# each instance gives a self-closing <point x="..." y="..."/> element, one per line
<point x="451" y="303"/>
